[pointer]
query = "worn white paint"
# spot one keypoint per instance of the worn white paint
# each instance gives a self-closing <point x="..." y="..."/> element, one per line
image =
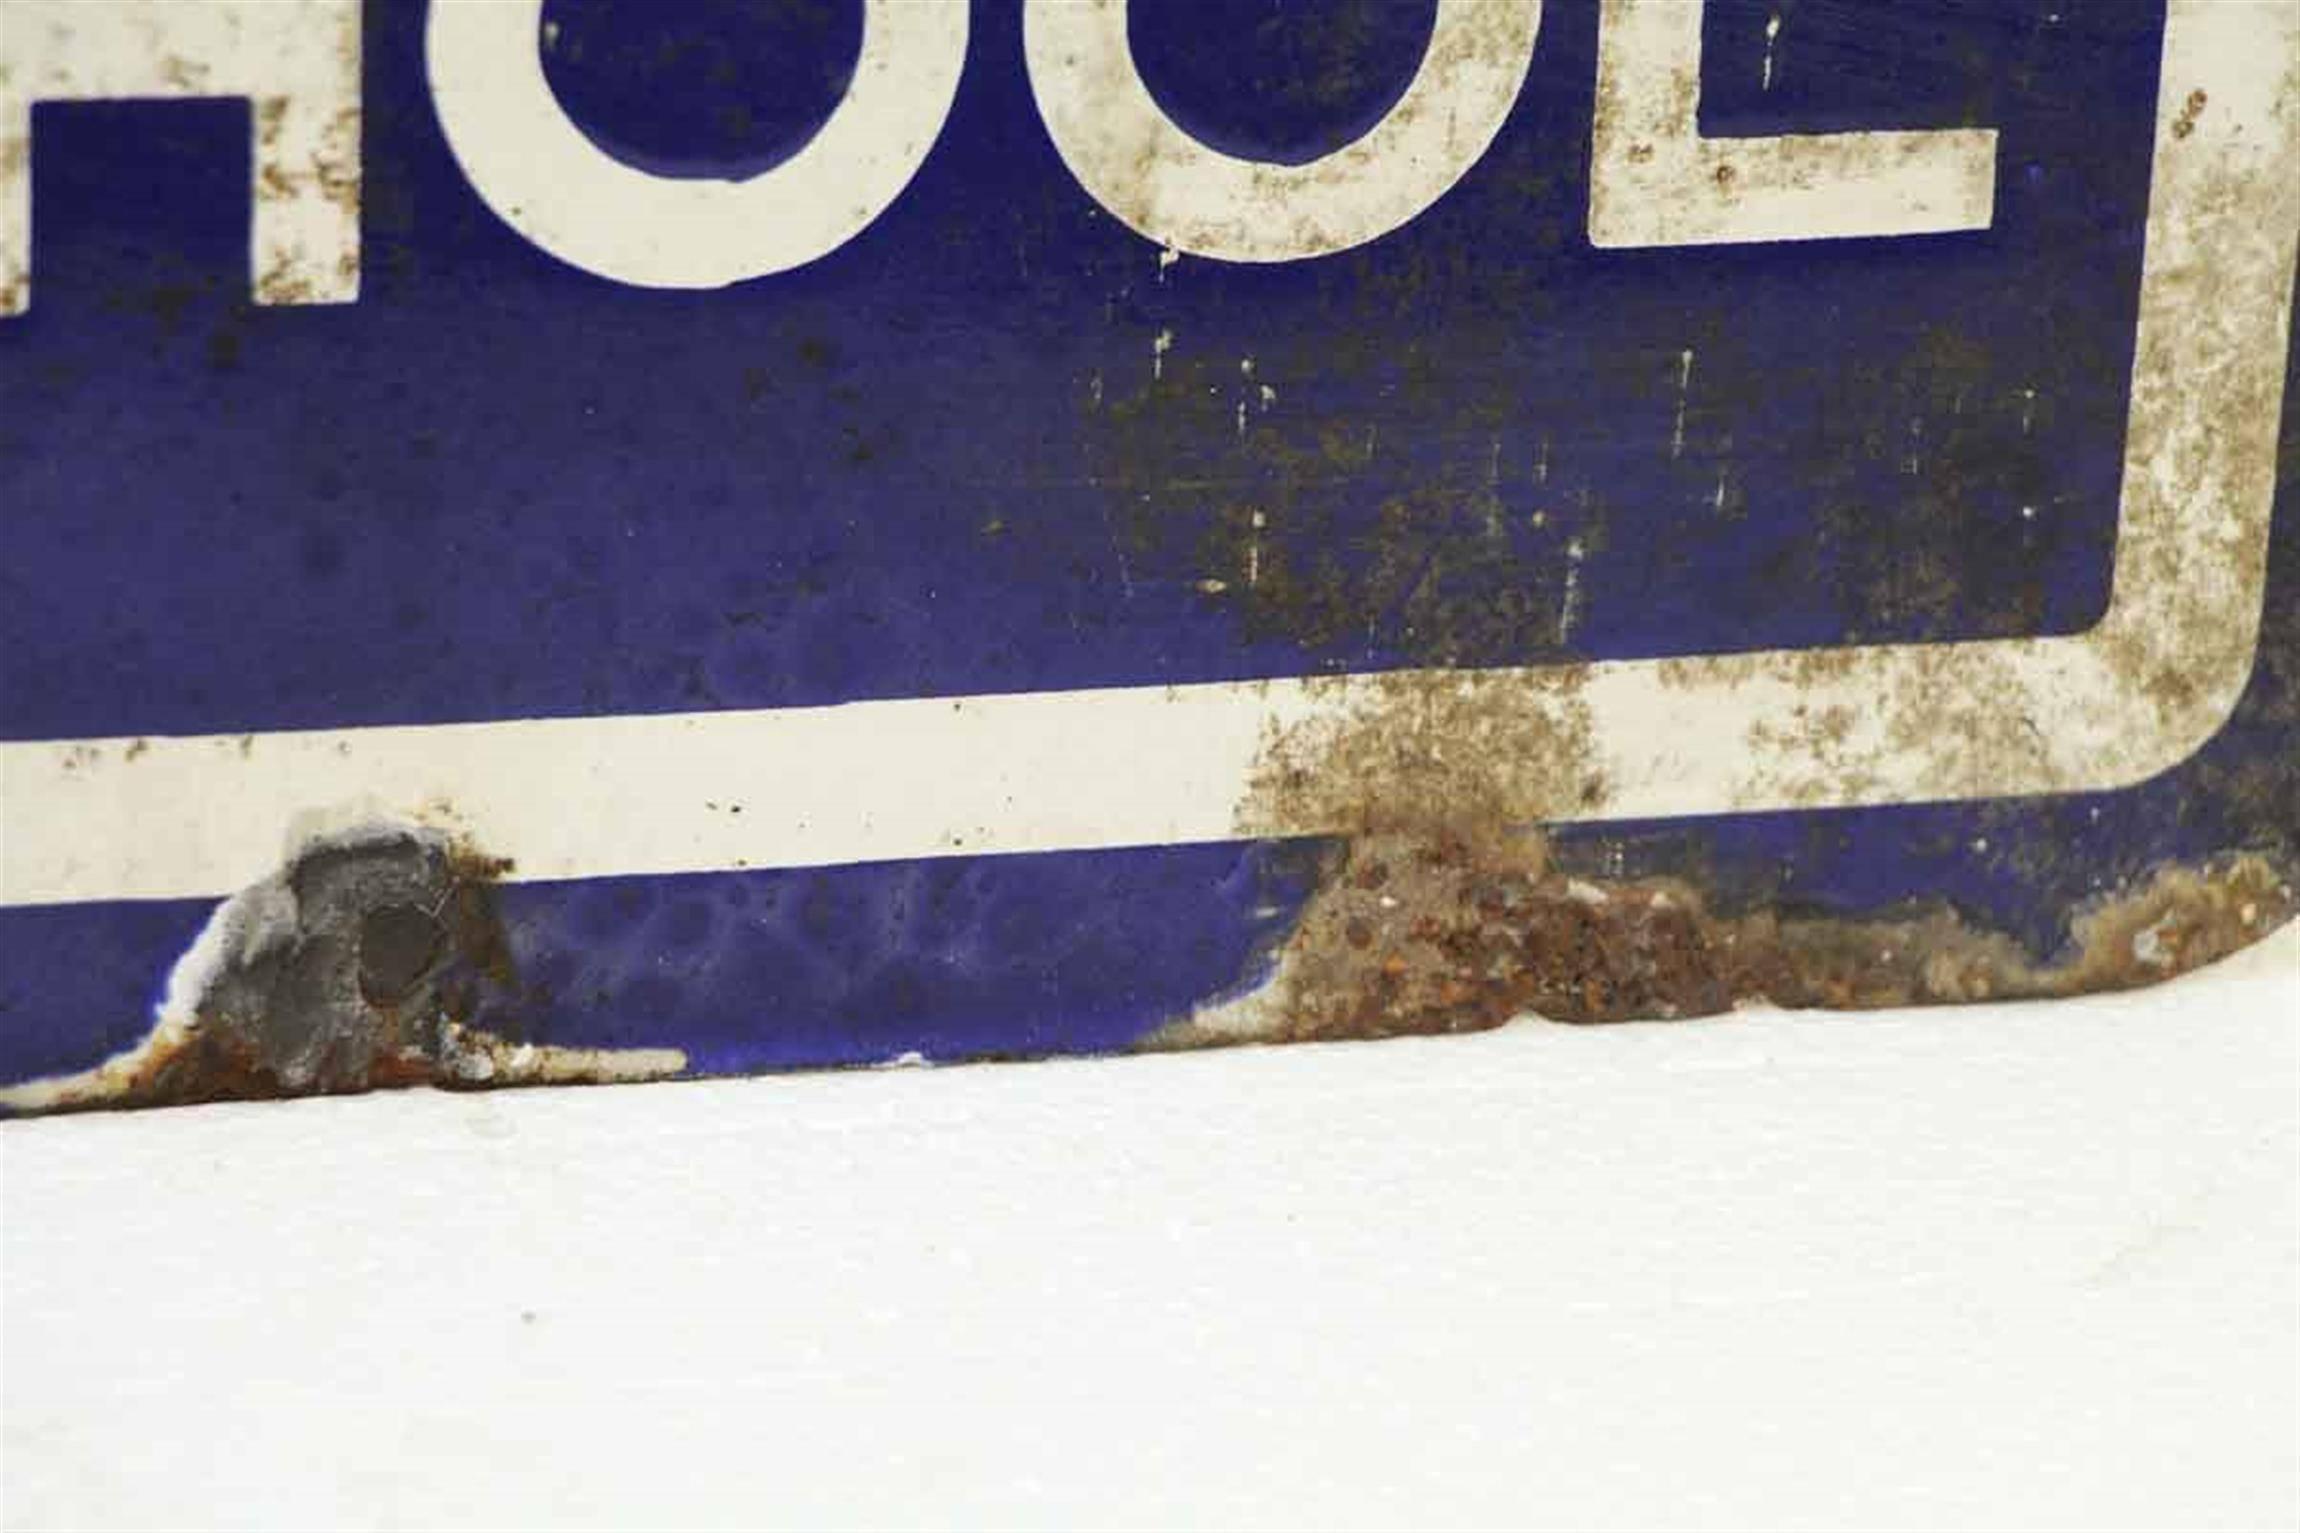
<point x="925" y="777"/>
<point x="1168" y="186"/>
<point x="1654" y="180"/>
<point x="539" y="172"/>
<point x="297" y="61"/>
<point x="1684" y="388"/>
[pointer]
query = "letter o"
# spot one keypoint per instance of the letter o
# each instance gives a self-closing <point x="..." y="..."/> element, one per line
<point x="538" y="171"/>
<point x="1170" y="187"/>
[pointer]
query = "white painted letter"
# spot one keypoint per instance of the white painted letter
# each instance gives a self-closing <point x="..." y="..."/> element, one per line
<point x="538" y="171"/>
<point x="297" y="61"/>
<point x="1654" y="180"/>
<point x="1169" y="187"/>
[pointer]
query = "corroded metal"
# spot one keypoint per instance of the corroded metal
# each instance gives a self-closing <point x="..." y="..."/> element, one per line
<point x="372" y="960"/>
<point x="1447" y="929"/>
<point x="1346" y="465"/>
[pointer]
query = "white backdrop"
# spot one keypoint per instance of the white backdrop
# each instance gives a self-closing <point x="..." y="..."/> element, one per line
<point x="2008" y="1266"/>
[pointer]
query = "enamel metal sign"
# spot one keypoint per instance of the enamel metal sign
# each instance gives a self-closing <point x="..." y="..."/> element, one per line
<point x="572" y="540"/>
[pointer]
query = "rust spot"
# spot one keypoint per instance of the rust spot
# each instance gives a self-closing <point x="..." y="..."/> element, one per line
<point x="187" y="76"/>
<point x="282" y="283"/>
<point x="367" y="962"/>
<point x="1445" y="911"/>
<point x="1450" y="929"/>
<point x="2190" y="110"/>
<point x="271" y="120"/>
<point x="1484" y="749"/>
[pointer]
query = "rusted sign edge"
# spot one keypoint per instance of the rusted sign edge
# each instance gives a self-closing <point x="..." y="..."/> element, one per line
<point x="366" y="962"/>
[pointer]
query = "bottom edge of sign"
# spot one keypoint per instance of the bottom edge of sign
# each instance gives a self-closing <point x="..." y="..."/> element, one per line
<point x="382" y="959"/>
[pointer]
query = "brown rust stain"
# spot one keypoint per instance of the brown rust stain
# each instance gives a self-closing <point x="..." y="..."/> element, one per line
<point x="1411" y="753"/>
<point x="2190" y="110"/>
<point x="331" y="167"/>
<point x="1462" y="928"/>
<point x="1443" y="909"/>
<point x="1442" y="913"/>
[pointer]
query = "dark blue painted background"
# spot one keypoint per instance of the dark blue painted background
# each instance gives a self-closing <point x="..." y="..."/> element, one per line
<point x="498" y="486"/>
<point x="941" y="460"/>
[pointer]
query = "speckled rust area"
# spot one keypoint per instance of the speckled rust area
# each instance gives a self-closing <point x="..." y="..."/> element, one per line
<point x="1447" y="929"/>
<point x="1441" y="908"/>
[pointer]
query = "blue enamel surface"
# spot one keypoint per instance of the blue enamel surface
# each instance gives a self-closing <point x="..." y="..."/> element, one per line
<point x="498" y="486"/>
<point x="950" y="457"/>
